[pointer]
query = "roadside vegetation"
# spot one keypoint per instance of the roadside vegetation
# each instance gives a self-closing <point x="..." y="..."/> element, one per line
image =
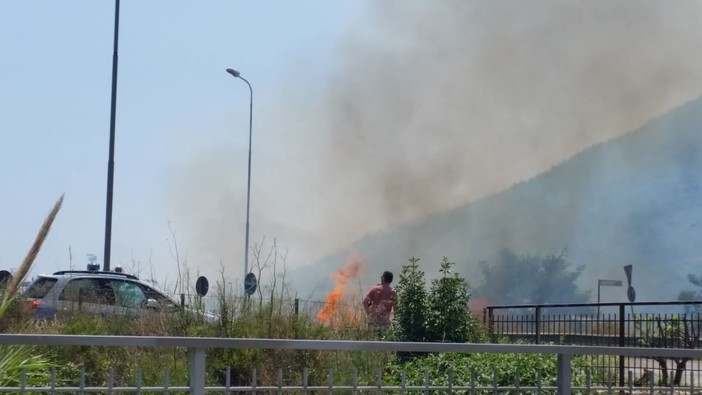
<point x="432" y="312"/>
<point x="427" y="312"/>
<point x="21" y="362"/>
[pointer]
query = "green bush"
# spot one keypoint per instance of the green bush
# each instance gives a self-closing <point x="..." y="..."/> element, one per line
<point x="449" y="316"/>
<point x="487" y="369"/>
<point x="410" y="322"/>
<point x="440" y="315"/>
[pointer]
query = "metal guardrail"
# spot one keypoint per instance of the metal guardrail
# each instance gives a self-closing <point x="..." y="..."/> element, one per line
<point x="197" y="362"/>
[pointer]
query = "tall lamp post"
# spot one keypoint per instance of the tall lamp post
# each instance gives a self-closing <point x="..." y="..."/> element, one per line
<point x="236" y="74"/>
<point x="111" y="155"/>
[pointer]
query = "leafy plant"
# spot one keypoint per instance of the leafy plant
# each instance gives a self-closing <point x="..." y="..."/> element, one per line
<point x="449" y="317"/>
<point x="14" y="359"/>
<point x="487" y="370"/>
<point x="411" y="319"/>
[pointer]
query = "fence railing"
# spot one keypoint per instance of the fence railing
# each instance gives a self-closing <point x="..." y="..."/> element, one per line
<point x="197" y="365"/>
<point x="285" y="306"/>
<point x="577" y="324"/>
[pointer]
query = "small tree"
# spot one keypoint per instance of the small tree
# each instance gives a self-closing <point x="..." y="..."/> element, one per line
<point x="674" y="332"/>
<point x="531" y="279"/>
<point x="449" y="314"/>
<point x="692" y="294"/>
<point x="410" y="321"/>
<point x="442" y="314"/>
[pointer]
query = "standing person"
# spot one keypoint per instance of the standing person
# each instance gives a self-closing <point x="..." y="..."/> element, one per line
<point x="380" y="301"/>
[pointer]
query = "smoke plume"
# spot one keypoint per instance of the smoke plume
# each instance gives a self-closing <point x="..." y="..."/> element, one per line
<point x="430" y="105"/>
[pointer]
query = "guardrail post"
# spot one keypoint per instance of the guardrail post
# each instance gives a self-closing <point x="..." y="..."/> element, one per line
<point x="197" y="371"/>
<point x="563" y="374"/>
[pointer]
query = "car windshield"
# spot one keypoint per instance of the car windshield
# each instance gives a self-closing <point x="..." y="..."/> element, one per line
<point x="40" y="287"/>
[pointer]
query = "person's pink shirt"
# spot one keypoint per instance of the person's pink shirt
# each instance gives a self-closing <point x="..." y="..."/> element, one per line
<point x="379" y="303"/>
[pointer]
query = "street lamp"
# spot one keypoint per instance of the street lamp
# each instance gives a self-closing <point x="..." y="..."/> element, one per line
<point x="111" y="149"/>
<point x="236" y="74"/>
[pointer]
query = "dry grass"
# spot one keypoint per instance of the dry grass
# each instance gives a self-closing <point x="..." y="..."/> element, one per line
<point x="13" y="285"/>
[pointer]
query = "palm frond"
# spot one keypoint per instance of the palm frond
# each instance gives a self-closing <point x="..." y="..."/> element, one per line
<point x="16" y="358"/>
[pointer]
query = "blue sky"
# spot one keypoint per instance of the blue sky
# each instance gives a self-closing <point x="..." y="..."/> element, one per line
<point x="173" y="96"/>
<point x="366" y="115"/>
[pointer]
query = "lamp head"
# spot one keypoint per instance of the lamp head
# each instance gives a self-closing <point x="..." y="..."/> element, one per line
<point x="233" y="72"/>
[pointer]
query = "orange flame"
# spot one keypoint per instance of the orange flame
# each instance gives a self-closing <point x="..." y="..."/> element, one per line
<point x="477" y="306"/>
<point x="349" y="271"/>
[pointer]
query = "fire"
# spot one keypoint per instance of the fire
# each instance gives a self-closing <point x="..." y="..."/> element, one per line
<point x="477" y="306"/>
<point x="349" y="271"/>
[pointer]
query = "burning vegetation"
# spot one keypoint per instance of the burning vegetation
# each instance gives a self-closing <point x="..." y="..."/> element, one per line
<point x="343" y="304"/>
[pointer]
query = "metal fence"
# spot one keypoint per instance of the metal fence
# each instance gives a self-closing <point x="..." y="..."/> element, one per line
<point x="198" y="384"/>
<point x="675" y="325"/>
<point x="283" y="306"/>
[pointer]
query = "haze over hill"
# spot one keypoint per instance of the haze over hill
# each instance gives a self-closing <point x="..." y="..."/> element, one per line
<point x="634" y="200"/>
<point x="425" y="107"/>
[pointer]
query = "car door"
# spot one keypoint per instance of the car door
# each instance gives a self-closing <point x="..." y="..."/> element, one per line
<point x="88" y="295"/>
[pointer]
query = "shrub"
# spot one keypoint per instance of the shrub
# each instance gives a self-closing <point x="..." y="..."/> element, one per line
<point x="442" y="314"/>
<point x="487" y="370"/>
<point x="449" y="316"/>
<point x="410" y="320"/>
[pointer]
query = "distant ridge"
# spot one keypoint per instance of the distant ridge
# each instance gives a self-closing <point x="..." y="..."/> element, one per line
<point x="636" y="199"/>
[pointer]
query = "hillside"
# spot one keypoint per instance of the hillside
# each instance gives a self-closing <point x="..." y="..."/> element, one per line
<point x="634" y="200"/>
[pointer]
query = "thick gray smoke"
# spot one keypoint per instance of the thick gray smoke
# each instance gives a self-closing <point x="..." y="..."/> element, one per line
<point x="430" y="105"/>
<point x="450" y="101"/>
